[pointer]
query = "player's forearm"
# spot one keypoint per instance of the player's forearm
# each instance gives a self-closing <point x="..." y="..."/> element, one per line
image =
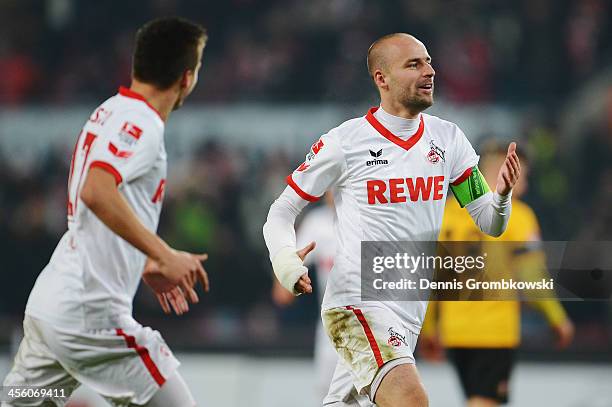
<point x="491" y="212"/>
<point x="102" y="197"/>
<point x="279" y="234"/>
<point x="551" y="309"/>
<point x="279" y="229"/>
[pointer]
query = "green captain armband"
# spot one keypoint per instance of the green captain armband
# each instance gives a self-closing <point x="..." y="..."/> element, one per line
<point x="469" y="186"/>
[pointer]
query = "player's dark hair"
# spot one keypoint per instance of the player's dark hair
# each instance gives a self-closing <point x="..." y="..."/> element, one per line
<point x="165" y="49"/>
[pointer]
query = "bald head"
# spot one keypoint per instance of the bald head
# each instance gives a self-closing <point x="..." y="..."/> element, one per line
<point x="401" y="69"/>
<point x="383" y="49"/>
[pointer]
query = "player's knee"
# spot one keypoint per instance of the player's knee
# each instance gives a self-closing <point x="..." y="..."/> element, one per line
<point x="413" y="396"/>
<point x="418" y="397"/>
<point x="402" y="387"/>
<point x="405" y="397"/>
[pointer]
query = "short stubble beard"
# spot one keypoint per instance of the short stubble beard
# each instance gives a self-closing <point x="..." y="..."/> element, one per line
<point x="417" y="104"/>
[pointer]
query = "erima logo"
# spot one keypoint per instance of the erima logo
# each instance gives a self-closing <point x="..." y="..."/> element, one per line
<point x="376" y="160"/>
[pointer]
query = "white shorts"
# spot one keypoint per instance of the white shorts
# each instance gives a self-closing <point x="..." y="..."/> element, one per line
<point x="125" y="365"/>
<point x="370" y="340"/>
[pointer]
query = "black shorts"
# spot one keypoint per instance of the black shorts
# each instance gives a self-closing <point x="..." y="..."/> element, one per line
<point x="484" y="372"/>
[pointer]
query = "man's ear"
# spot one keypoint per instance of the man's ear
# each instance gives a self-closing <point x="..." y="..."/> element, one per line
<point x="380" y="80"/>
<point x="187" y="79"/>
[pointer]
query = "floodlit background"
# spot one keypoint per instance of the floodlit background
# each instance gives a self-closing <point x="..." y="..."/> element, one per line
<point x="275" y="76"/>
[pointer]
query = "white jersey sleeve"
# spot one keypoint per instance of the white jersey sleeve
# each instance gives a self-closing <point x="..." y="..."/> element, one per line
<point x="491" y="211"/>
<point x="279" y="231"/>
<point x="324" y="167"/>
<point x="464" y="157"/>
<point x="130" y="146"/>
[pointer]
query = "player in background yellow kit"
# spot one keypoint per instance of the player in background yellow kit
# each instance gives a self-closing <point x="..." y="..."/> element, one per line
<point x="481" y="336"/>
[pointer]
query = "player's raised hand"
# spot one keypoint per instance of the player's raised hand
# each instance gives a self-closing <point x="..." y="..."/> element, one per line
<point x="509" y="172"/>
<point x="304" y="284"/>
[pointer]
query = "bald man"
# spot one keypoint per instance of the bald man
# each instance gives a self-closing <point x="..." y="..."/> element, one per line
<point x="389" y="172"/>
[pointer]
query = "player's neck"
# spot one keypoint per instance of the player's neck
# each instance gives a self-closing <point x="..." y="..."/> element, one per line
<point x="401" y="127"/>
<point x="399" y="110"/>
<point x="162" y="101"/>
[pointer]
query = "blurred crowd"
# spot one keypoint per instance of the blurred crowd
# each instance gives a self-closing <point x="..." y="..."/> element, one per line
<point x="64" y="51"/>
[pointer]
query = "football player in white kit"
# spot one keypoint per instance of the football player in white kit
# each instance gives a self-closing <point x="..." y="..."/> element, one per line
<point x="317" y="226"/>
<point x="389" y="172"/>
<point x="78" y="325"/>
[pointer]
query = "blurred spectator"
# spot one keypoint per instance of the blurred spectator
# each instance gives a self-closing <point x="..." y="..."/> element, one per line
<point x="309" y="50"/>
<point x="594" y="176"/>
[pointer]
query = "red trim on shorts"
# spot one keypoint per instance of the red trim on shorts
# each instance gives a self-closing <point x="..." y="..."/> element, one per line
<point x="386" y="133"/>
<point x="108" y="168"/>
<point x="466" y="174"/>
<point x="298" y="190"/>
<point x="144" y="355"/>
<point x="129" y="93"/>
<point x="369" y="335"/>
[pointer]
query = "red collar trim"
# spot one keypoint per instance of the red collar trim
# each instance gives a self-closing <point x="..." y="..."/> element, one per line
<point x="405" y="144"/>
<point x="128" y="93"/>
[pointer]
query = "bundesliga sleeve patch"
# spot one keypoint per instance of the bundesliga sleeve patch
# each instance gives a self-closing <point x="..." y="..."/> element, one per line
<point x="130" y="133"/>
<point x="470" y="189"/>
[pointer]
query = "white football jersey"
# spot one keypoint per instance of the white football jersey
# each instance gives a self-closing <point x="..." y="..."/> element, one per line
<point x="386" y="187"/>
<point x="93" y="273"/>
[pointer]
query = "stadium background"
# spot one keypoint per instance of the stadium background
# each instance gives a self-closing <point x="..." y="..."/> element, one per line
<point x="276" y="75"/>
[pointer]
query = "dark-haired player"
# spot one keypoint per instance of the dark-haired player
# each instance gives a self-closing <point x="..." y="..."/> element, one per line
<point x="78" y="326"/>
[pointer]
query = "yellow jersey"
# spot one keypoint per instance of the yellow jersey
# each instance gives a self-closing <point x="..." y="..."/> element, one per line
<point x="486" y="324"/>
